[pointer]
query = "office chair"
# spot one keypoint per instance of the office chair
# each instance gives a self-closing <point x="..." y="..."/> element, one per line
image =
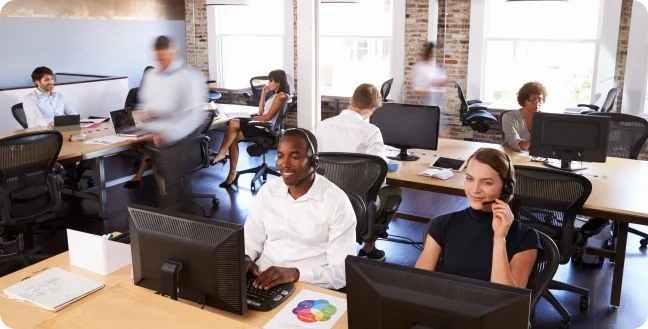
<point x="627" y="136"/>
<point x="548" y="200"/>
<point x="256" y="86"/>
<point x="19" y="114"/>
<point x="607" y="106"/>
<point x="29" y="193"/>
<point x="500" y="120"/>
<point x="364" y="223"/>
<point x="131" y="98"/>
<point x="473" y="114"/>
<point x="364" y="175"/>
<point x="197" y="155"/>
<point x="261" y="146"/>
<point x="385" y="89"/>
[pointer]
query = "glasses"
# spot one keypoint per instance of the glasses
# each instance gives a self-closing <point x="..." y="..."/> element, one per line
<point x="536" y="101"/>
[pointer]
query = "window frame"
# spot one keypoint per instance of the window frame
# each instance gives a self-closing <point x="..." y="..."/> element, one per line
<point x="606" y="44"/>
<point x="396" y="51"/>
<point x="215" y="44"/>
<point x="635" y="85"/>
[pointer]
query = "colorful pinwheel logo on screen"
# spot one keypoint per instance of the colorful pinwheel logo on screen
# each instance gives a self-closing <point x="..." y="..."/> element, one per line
<point x="310" y="311"/>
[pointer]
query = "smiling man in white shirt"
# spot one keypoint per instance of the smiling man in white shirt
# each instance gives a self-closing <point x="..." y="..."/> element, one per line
<point x="43" y="104"/>
<point x="350" y="132"/>
<point x="301" y="227"/>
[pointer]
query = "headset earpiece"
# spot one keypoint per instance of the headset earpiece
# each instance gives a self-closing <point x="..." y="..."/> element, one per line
<point x="507" y="188"/>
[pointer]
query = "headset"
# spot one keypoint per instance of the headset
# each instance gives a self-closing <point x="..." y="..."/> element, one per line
<point x="507" y="189"/>
<point x="313" y="160"/>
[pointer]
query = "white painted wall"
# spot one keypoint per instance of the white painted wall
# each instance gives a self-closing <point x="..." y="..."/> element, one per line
<point x="636" y="71"/>
<point x="89" y="98"/>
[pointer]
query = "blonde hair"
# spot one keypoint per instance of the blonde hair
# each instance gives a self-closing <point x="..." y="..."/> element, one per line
<point x="366" y="96"/>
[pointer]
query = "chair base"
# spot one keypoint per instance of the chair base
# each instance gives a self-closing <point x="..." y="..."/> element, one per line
<point x="556" y="285"/>
<point x="644" y="241"/>
<point x="215" y="201"/>
<point x="259" y="172"/>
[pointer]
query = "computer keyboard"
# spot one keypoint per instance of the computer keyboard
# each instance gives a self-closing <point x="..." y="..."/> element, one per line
<point x="265" y="300"/>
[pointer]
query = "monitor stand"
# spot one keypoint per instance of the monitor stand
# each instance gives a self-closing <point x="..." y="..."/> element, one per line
<point x="170" y="277"/>
<point x="564" y="165"/>
<point x="404" y="156"/>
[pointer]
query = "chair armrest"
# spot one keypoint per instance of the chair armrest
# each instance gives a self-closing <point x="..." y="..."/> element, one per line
<point x="210" y="81"/>
<point x="57" y="169"/>
<point x="263" y="124"/>
<point x="248" y="95"/>
<point x="392" y="203"/>
<point x="473" y="101"/>
<point x="254" y="115"/>
<point x="590" y="106"/>
<point x="593" y="227"/>
<point x="588" y="111"/>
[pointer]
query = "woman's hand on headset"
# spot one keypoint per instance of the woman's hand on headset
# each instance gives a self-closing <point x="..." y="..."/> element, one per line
<point x="502" y="219"/>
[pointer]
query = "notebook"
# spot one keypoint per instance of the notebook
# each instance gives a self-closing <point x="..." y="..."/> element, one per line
<point x="52" y="289"/>
<point x="437" y="173"/>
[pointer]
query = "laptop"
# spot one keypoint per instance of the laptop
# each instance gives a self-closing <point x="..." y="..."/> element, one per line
<point x="67" y="122"/>
<point x="125" y="124"/>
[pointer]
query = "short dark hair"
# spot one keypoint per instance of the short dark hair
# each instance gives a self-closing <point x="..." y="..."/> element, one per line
<point x="162" y="43"/>
<point x="39" y="72"/>
<point x="429" y="50"/>
<point x="302" y="133"/>
<point x="280" y="77"/>
<point x="531" y="88"/>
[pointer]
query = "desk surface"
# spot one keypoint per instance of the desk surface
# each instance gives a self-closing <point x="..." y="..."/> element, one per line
<point x="617" y="185"/>
<point x="76" y="150"/>
<point x="22" y="315"/>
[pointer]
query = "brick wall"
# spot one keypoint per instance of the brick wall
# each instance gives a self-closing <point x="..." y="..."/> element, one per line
<point x="622" y="49"/>
<point x="196" y="22"/>
<point x="416" y="37"/>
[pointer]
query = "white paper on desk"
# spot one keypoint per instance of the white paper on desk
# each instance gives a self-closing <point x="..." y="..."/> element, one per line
<point x="437" y="173"/>
<point x="53" y="289"/>
<point x="309" y="309"/>
<point x="235" y="115"/>
<point x="108" y="140"/>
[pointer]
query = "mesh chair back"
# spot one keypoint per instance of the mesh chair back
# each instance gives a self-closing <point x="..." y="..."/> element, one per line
<point x="19" y="114"/>
<point x="359" y="206"/>
<point x="544" y="269"/>
<point x="463" y="108"/>
<point x="609" y="100"/>
<point x="501" y="121"/>
<point x="257" y="84"/>
<point x="27" y="188"/>
<point x="627" y="135"/>
<point x="198" y="152"/>
<point x="386" y="88"/>
<point x="548" y="200"/>
<point x="362" y="174"/>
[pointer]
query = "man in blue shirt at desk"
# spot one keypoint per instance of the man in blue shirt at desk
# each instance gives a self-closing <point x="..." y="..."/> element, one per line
<point x="43" y="104"/>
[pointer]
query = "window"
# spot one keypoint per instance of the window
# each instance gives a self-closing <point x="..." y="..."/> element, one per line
<point x="570" y="47"/>
<point x="355" y="45"/>
<point x="550" y="42"/>
<point x="248" y="41"/>
<point x="646" y="101"/>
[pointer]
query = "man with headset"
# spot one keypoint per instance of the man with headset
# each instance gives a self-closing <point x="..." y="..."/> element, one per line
<point x="300" y="227"/>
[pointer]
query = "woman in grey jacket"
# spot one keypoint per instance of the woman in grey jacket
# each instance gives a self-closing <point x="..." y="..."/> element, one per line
<point x="517" y="124"/>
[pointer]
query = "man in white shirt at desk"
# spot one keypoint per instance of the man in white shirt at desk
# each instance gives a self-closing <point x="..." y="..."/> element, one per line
<point x="350" y="132"/>
<point x="43" y="104"/>
<point x="300" y="227"/>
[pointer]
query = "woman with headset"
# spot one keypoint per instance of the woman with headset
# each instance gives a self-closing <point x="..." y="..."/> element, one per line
<point x="484" y="241"/>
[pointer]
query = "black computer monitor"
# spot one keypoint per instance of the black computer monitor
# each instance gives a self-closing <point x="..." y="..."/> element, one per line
<point x="408" y="126"/>
<point x="569" y="138"/>
<point x="389" y="296"/>
<point x="189" y="257"/>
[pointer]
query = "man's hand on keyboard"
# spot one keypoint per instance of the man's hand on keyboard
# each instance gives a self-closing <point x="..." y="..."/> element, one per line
<point x="274" y="276"/>
<point x="251" y="266"/>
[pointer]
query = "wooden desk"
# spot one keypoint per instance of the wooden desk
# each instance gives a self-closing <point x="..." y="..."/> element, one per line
<point x="23" y="316"/>
<point x="77" y="151"/>
<point x="616" y="191"/>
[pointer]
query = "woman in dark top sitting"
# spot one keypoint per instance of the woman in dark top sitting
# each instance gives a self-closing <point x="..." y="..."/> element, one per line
<point x="484" y="242"/>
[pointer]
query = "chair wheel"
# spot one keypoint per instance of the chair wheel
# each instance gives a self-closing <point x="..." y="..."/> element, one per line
<point x="643" y="242"/>
<point x="215" y="202"/>
<point x="584" y="302"/>
<point x="564" y="324"/>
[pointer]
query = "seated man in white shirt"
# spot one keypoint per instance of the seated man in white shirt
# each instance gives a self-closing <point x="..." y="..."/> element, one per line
<point x="43" y="104"/>
<point x="300" y="227"/>
<point x="352" y="133"/>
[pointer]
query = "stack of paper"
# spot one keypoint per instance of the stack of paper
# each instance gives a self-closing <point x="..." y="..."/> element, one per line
<point x="437" y="173"/>
<point x="53" y="289"/>
<point x="108" y="140"/>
